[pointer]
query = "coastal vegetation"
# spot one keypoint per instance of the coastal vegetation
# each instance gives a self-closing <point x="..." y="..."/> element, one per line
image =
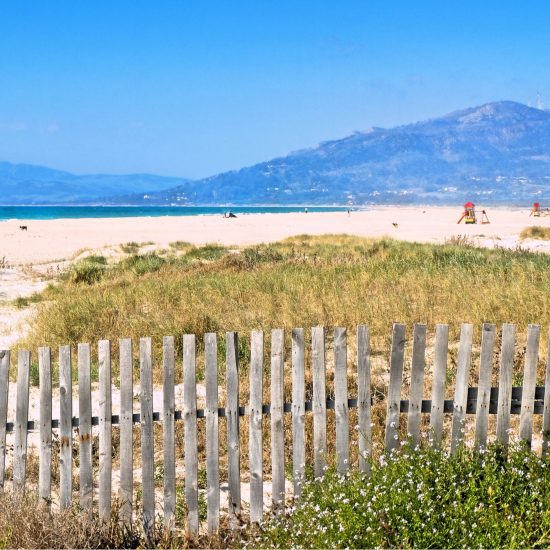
<point x="302" y="281"/>
<point x="536" y="232"/>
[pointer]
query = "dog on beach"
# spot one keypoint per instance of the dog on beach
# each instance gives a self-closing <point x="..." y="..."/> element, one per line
<point x="23" y="227"/>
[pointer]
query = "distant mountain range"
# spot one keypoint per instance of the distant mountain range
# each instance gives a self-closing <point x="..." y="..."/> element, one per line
<point x="29" y="184"/>
<point x="495" y="153"/>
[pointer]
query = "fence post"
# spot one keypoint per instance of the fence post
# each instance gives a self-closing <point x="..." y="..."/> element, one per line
<point x="319" y="401"/>
<point x="277" y="427"/>
<point x="45" y="472"/>
<point x="147" y="449"/>
<point x="126" y="431"/>
<point x="85" y="427"/>
<point x="461" y="386"/>
<point x="529" y="383"/>
<point x="212" y="432"/>
<point x="65" y="427"/>
<point x="298" y="411"/>
<point x="416" y="389"/>
<point x="546" y="414"/>
<point x="484" y="385"/>
<point x="21" y="418"/>
<point x="438" y="383"/>
<point x="364" y="398"/>
<point x="4" y="386"/>
<point x="505" y="383"/>
<point x="394" y="391"/>
<point x="168" y="428"/>
<point x="105" y="430"/>
<point x="190" y="434"/>
<point x="341" y="400"/>
<point x="232" y="415"/>
<point x="256" y="439"/>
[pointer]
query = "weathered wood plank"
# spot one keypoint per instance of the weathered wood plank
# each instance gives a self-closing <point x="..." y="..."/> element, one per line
<point x="319" y="401"/>
<point x="298" y="411"/>
<point x="21" y="417"/>
<point x="364" y="398"/>
<point x="529" y="384"/>
<point x="461" y="387"/>
<point x="277" y="426"/>
<point x="233" y="442"/>
<point x="168" y="427"/>
<point x="45" y="468"/>
<point x="65" y="427"/>
<point x="505" y="383"/>
<point x="418" y="365"/>
<point x="394" y="390"/>
<point x="105" y="430"/>
<point x="85" y="426"/>
<point x="438" y="383"/>
<point x="4" y="386"/>
<point x="190" y="434"/>
<point x="341" y="399"/>
<point x="126" y="431"/>
<point x="147" y="448"/>
<point x="546" y="413"/>
<point x="484" y="385"/>
<point x="212" y="433"/>
<point x="256" y="437"/>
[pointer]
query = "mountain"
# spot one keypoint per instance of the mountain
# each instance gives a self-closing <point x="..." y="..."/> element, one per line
<point x="498" y="152"/>
<point x="28" y="184"/>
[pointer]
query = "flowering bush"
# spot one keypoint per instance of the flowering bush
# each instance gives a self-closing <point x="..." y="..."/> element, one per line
<point x="423" y="498"/>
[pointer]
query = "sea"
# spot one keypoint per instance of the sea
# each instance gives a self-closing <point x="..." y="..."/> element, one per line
<point x="74" y="212"/>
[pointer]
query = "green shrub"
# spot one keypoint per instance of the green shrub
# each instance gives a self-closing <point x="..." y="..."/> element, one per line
<point x="130" y="248"/>
<point x="424" y="499"/>
<point x="140" y="264"/>
<point x="89" y="270"/>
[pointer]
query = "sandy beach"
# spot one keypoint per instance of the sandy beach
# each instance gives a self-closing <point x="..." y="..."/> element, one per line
<point x="51" y="241"/>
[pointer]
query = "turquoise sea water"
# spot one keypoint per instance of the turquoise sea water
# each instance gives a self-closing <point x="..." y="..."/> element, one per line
<point x="57" y="212"/>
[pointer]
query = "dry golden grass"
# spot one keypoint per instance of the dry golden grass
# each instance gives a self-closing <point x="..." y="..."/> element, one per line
<point x="536" y="232"/>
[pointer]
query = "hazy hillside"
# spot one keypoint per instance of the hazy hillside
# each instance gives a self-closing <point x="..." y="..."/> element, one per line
<point x="499" y="152"/>
<point x="28" y="184"/>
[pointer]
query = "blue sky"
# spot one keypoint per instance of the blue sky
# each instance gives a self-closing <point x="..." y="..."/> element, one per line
<point x="192" y="88"/>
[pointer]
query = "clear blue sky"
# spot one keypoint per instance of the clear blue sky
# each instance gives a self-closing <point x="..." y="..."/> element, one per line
<point x="192" y="88"/>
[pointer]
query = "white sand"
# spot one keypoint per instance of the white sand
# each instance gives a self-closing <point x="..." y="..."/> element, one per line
<point x="49" y="241"/>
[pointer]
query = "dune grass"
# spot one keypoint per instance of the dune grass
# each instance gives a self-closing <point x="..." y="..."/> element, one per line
<point x="536" y="232"/>
<point x="303" y="281"/>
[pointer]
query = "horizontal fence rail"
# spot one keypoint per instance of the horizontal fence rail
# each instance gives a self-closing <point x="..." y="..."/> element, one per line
<point x="407" y="417"/>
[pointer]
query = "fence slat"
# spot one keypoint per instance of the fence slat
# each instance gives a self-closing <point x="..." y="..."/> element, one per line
<point x="277" y="426"/>
<point x="105" y="430"/>
<point x="212" y="433"/>
<point x="416" y="389"/>
<point x="341" y="399"/>
<point x="256" y="437"/>
<point x="546" y="413"/>
<point x="21" y="417"/>
<point x="505" y="383"/>
<point x="484" y="385"/>
<point x="45" y="469"/>
<point x="394" y="390"/>
<point x="65" y="427"/>
<point x="438" y="382"/>
<point x="461" y="386"/>
<point x="364" y="398"/>
<point x="126" y="431"/>
<point x="529" y="383"/>
<point x="233" y="443"/>
<point x="168" y="428"/>
<point x="4" y="387"/>
<point x="147" y="449"/>
<point x="190" y="434"/>
<point x="319" y="401"/>
<point x="85" y="426"/>
<point x="298" y="410"/>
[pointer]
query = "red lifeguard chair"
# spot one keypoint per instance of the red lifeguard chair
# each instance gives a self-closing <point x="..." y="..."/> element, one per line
<point x="469" y="214"/>
<point x="535" y="211"/>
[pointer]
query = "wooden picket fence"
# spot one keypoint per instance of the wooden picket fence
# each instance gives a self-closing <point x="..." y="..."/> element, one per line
<point x="482" y="401"/>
